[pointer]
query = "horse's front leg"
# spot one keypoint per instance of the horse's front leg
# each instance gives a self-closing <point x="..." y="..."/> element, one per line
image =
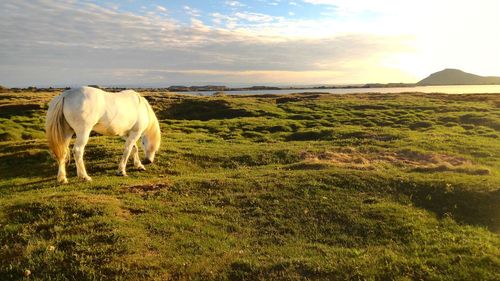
<point x="137" y="159"/>
<point x="129" y="144"/>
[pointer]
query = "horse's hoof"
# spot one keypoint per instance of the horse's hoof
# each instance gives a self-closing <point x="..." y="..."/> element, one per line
<point x="121" y="174"/>
<point x="62" y="181"/>
<point x="141" y="168"/>
<point x="87" y="178"/>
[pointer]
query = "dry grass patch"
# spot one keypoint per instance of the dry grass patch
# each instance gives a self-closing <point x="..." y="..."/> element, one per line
<point x="415" y="161"/>
<point x="346" y="158"/>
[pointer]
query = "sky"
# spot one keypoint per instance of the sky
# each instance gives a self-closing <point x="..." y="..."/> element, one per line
<point x="246" y="42"/>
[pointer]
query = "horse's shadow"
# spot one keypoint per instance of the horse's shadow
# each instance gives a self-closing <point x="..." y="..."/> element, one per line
<point x="25" y="164"/>
<point x="32" y="160"/>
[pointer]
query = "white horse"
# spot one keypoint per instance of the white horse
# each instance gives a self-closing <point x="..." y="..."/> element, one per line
<point x="82" y="110"/>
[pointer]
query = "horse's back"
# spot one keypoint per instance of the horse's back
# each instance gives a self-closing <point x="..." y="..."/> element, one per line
<point x="124" y="113"/>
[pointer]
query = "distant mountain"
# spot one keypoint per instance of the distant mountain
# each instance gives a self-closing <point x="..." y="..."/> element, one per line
<point x="458" y="77"/>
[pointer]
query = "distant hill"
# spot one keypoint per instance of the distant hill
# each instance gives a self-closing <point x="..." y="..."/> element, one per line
<point x="457" y="77"/>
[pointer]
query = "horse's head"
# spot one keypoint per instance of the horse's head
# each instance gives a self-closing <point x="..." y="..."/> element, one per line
<point x="151" y="141"/>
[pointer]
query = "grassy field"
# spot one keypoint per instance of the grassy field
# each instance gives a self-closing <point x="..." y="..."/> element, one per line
<point x="304" y="186"/>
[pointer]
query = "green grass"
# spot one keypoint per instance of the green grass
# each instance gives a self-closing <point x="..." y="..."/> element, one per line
<point x="305" y="186"/>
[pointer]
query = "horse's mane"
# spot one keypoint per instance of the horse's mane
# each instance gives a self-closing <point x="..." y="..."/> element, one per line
<point x="153" y="130"/>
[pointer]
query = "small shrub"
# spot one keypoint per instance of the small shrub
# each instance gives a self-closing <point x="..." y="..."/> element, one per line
<point x="10" y="136"/>
<point x="311" y="135"/>
<point x="421" y="125"/>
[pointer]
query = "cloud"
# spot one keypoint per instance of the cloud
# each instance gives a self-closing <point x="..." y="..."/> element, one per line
<point x="234" y="4"/>
<point x="161" y="8"/>
<point x="255" y="17"/>
<point x="68" y="42"/>
<point x="192" y="11"/>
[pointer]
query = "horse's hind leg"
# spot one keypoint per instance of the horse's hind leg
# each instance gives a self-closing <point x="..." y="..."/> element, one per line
<point x="137" y="160"/>
<point x="61" y="174"/>
<point x="132" y="139"/>
<point x="81" y="141"/>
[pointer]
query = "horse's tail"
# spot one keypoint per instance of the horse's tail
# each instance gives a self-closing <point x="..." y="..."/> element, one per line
<point x="55" y="125"/>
